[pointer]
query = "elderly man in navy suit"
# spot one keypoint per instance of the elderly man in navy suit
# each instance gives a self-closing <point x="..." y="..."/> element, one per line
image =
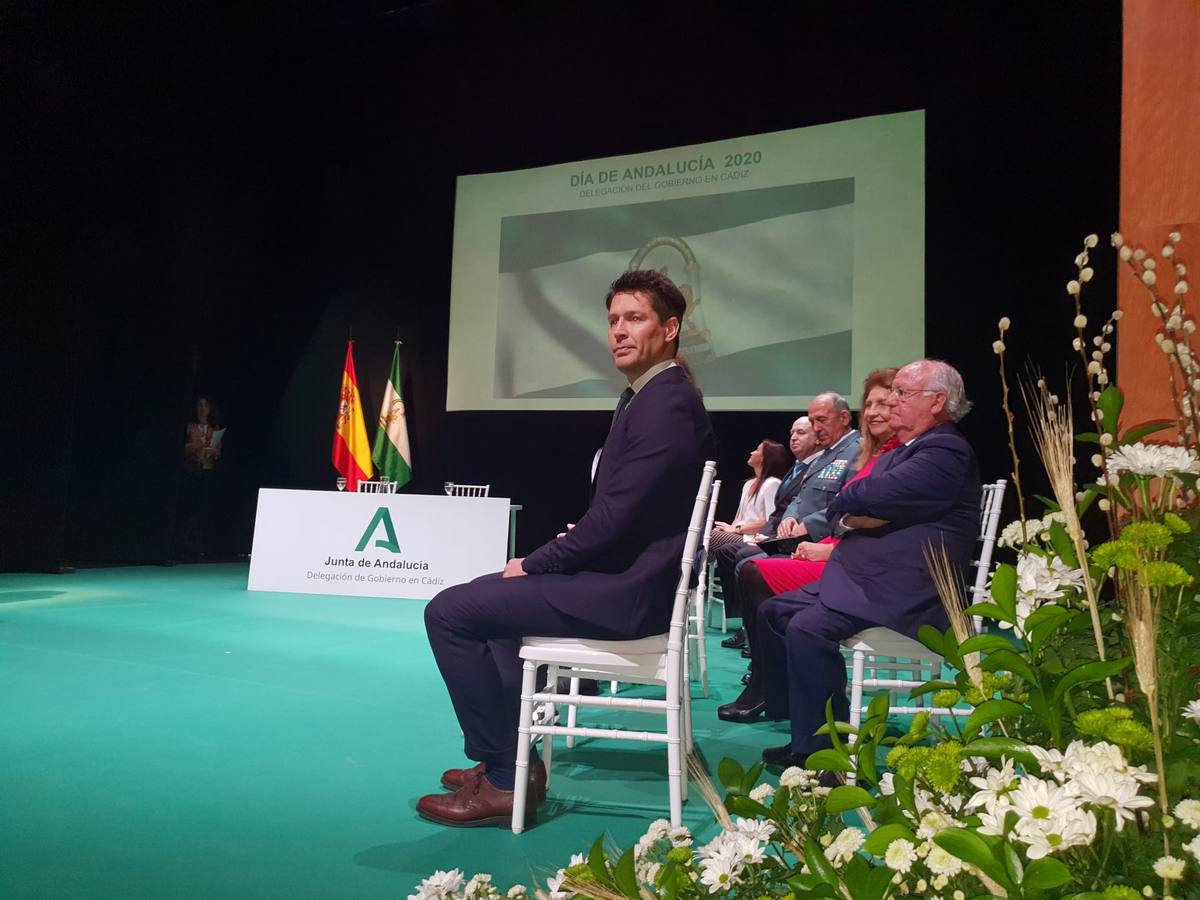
<point x="923" y="494"/>
<point x="611" y="576"/>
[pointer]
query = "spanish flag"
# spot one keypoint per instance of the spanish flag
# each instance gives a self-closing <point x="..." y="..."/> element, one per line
<point x="351" y="452"/>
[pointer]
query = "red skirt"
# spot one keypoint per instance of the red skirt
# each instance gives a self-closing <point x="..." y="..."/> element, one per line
<point x="784" y="574"/>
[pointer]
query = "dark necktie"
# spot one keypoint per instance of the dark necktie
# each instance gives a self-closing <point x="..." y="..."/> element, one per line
<point x="626" y="396"/>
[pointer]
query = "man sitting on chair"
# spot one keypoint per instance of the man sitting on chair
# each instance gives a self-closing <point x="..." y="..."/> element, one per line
<point x="610" y="577"/>
<point x="925" y="493"/>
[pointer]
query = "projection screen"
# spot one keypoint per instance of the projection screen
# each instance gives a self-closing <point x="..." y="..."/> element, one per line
<point x="801" y="253"/>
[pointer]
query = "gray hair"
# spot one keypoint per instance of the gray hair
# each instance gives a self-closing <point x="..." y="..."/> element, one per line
<point x="839" y="402"/>
<point x="945" y="378"/>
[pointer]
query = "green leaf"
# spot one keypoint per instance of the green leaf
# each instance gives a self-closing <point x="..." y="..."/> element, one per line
<point x="930" y="687"/>
<point x="931" y="638"/>
<point x="846" y="797"/>
<point x="1050" y="504"/>
<point x="1087" y="437"/>
<point x="1088" y="672"/>
<point x="971" y="848"/>
<point x="1142" y="429"/>
<point x="596" y="862"/>
<point x="1004" y="590"/>
<point x="818" y="864"/>
<point x="811" y="886"/>
<point x="833" y="760"/>
<point x="1061" y="542"/>
<point x="750" y="779"/>
<point x="879" y="839"/>
<point x="1111" y="402"/>
<point x="1009" y="661"/>
<point x="879" y="705"/>
<point x="741" y="805"/>
<point x="904" y="793"/>
<point x="989" y="611"/>
<point x="1044" y="621"/>
<point x="832" y="723"/>
<point x="1044" y="874"/>
<point x="730" y="773"/>
<point x="624" y="876"/>
<point x="998" y="746"/>
<point x="989" y="711"/>
<point x="1012" y="863"/>
<point x="985" y="643"/>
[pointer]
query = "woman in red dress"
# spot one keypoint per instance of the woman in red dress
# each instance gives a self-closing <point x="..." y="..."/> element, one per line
<point x="808" y="561"/>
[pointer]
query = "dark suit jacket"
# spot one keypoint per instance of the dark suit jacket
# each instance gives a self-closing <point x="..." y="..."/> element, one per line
<point x="929" y="492"/>
<point x="618" y="567"/>
<point x="787" y="491"/>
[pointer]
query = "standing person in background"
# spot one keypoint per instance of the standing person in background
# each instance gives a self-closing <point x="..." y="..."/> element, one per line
<point x="770" y="461"/>
<point x="201" y="453"/>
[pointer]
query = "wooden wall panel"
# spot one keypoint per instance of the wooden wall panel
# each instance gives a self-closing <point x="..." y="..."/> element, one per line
<point x="1160" y="179"/>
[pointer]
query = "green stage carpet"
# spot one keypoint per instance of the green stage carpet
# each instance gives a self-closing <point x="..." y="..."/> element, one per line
<point x="166" y="733"/>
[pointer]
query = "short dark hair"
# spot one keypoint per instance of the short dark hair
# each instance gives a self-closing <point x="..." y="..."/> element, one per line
<point x="666" y="299"/>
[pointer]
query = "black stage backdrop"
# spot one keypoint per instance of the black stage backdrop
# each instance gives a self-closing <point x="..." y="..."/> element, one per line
<point x="208" y="199"/>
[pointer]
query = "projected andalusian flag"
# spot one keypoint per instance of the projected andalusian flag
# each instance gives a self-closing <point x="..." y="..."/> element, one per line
<point x="351" y="456"/>
<point x="391" y="454"/>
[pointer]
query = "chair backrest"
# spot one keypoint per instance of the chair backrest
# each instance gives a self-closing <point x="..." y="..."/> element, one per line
<point x="382" y="486"/>
<point x="702" y="560"/>
<point x="687" y="562"/>
<point x="467" y="490"/>
<point x="989" y="524"/>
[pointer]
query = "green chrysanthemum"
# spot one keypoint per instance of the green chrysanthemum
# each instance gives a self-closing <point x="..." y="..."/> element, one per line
<point x="1176" y="523"/>
<point x="946" y="698"/>
<point x="1121" y="554"/>
<point x="1130" y="734"/>
<point x="1165" y="574"/>
<point x="1147" y="535"/>
<point x="1121" y="892"/>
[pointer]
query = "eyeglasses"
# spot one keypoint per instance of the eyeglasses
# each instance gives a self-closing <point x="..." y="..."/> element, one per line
<point x="905" y="393"/>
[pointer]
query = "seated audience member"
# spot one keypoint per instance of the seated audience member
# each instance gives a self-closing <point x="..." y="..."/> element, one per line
<point x="819" y="483"/>
<point x="803" y="444"/>
<point x="770" y="461"/>
<point x="924" y="493"/>
<point x="762" y="578"/>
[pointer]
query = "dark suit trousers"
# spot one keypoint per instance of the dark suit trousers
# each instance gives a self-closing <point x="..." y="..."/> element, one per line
<point x="728" y="559"/>
<point x="475" y="630"/>
<point x="802" y="666"/>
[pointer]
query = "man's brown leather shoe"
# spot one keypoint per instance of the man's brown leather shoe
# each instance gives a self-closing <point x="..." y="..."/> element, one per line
<point x="476" y="803"/>
<point x="456" y="778"/>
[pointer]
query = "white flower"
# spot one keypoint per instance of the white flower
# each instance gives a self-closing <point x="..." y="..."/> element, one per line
<point x="844" y="846"/>
<point x="1086" y="274"/>
<point x="1043" y="837"/>
<point x="577" y="859"/>
<point x="1036" y="800"/>
<point x="1072" y="287"/>
<point x="1168" y="251"/>
<point x="759" y="829"/>
<point x="517" y="890"/>
<point x="1116" y="239"/>
<point x="1125" y="253"/>
<point x="762" y="793"/>
<point x="994" y="787"/>
<point x="1040" y="580"/>
<point x="1168" y="868"/>
<point x="1091" y="240"/>
<point x="943" y="862"/>
<point x="795" y="777"/>
<point x="1174" y="237"/>
<point x="1188" y="811"/>
<point x="1111" y="791"/>
<point x="720" y="871"/>
<point x="900" y="855"/>
<point x="997" y="347"/>
<point x="554" y="885"/>
<point x="479" y="886"/>
<point x="1158" y="460"/>
<point x="1004" y="323"/>
<point x="680" y="837"/>
<point x="1192" y="711"/>
<point x="1150" y="263"/>
<point x="1148" y="277"/>
<point x="647" y="872"/>
<point x="934" y="823"/>
<point x="1080" y="320"/>
<point x="440" y="884"/>
<point x="1181" y="287"/>
<point x="1193" y="847"/>
<point x="658" y="830"/>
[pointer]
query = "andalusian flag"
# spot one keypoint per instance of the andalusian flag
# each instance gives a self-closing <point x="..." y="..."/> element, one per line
<point x="391" y="454"/>
<point x="350" y="456"/>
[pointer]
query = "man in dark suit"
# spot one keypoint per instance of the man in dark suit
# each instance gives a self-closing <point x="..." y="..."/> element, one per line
<point x="611" y="576"/>
<point x="923" y="494"/>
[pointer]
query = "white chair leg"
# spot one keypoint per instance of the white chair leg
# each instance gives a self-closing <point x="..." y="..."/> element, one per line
<point x="572" y="710"/>
<point x="612" y="687"/>
<point x="674" y="767"/>
<point x="548" y="740"/>
<point x="856" y="696"/>
<point x="521" y="786"/>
